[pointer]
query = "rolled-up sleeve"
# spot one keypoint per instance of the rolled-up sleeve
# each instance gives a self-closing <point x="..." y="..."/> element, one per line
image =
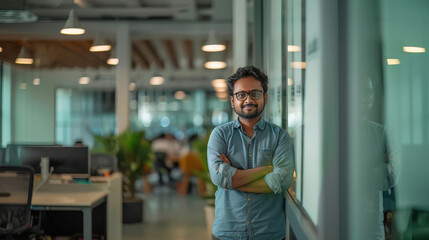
<point x="283" y="162"/>
<point x="220" y="173"/>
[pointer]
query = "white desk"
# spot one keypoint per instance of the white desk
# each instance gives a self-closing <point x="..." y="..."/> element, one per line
<point x="113" y="185"/>
<point x="70" y="197"/>
<point x="85" y="197"/>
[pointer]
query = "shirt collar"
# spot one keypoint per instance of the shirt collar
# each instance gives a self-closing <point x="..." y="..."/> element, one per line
<point x="260" y="124"/>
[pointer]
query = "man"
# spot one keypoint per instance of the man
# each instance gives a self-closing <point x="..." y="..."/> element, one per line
<point x="251" y="161"/>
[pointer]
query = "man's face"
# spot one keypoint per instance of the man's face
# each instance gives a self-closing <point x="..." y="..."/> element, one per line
<point x="249" y="108"/>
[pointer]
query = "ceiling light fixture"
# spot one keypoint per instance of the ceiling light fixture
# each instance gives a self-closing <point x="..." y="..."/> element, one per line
<point x="298" y="65"/>
<point x="179" y="95"/>
<point x="113" y="60"/>
<point x="132" y="86"/>
<point x="219" y="85"/>
<point x="293" y="48"/>
<point x="393" y="61"/>
<point x="24" y="57"/>
<point x="156" y="80"/>
<point x="72" y="26"/>
<point x="100" y="44"/>
<point x="409" y="49"/>
<point x="213" y="44"/>
<point x="222" y="95"/>
<point x="36" y="81"/>
<point x="215" y="64"/>
<point x="84" y="80"/>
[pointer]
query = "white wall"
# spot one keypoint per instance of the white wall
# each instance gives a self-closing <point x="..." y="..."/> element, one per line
<point x="33" y="108"/>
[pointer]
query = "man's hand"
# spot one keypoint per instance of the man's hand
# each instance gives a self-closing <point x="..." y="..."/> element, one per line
<point x="225" y="159"/>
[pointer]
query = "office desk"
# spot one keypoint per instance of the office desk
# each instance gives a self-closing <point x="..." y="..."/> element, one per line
<point x="112" y="184"/>
<point x="70" y="197"/>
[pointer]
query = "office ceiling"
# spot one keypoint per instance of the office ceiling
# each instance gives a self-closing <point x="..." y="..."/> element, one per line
<point x="166" y="35"/>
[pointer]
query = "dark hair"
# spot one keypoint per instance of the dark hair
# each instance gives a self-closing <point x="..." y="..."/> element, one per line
<point x="249" y="71"/>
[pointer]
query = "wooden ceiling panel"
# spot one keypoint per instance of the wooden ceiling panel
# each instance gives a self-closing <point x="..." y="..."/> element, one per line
<point x="169" y="48"/>
<point x="73" y="58"/>
<point x="187" y="44"/>
<point x="79" y="48"/>
<point x="10" y="51"/>
<point x="147" y="50"/>
<point x="139" y="57"/>
<point x="163" y="53"/>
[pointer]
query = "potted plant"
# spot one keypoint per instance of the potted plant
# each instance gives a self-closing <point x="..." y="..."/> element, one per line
<point x="201" y="146"/>
<point x="133" y="152"/>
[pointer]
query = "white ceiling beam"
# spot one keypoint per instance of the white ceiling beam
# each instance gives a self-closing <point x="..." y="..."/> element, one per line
<point x="138" y="29"/>
<point x="95" y="13"/>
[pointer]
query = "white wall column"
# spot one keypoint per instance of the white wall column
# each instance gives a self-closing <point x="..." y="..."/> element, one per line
<point x="123" y="52"/>
<point x="6" y="105"/>
<point x="239" y="37"/>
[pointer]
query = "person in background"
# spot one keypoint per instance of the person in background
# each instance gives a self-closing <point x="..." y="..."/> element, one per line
<point x="78" y="143"/>
<point x="166" y="149"/>
<point x="252" y="163"/>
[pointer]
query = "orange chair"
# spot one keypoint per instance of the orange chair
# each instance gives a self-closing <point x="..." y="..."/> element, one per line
<point x="188" y="164"/>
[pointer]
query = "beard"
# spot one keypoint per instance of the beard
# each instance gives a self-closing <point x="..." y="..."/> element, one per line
<point x="254" y="114"/>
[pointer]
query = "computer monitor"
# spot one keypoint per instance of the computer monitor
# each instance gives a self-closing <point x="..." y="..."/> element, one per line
<point x="73" y="161"/>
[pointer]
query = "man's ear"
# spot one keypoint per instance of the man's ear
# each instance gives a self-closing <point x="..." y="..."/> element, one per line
<point x="231" y="99"/>
<point x="265" y="97"/>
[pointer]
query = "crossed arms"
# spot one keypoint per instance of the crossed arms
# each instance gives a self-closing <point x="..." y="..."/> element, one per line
<point x="250" y="180"/>
<point x="276" y="178"/>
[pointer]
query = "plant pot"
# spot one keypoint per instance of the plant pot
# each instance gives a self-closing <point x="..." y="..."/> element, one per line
<point x="209" y="210"/>
<point x="132" y="210"/>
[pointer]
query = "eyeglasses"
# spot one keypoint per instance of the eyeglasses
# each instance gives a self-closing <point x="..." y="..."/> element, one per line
<point x="254" y="94"/>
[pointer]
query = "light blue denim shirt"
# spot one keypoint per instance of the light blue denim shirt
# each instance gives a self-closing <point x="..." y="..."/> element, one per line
<point x="241" y="215"/>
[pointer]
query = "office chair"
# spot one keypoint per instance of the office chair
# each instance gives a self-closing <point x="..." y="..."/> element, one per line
<point x="100" y="161"/>
<point x="16" y="188"/>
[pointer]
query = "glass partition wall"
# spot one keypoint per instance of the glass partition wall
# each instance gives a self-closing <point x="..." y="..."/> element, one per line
<point x="353" y="86"/>
<point x="81" y="113"/>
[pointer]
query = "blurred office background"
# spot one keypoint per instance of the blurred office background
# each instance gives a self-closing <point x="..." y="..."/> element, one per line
<point x="347" y="80"/>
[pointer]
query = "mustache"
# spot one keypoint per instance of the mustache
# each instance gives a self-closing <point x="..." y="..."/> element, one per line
<point x="249" y="105"/>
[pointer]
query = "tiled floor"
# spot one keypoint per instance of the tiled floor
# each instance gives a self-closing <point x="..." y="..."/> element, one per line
<point x="169" y="216"/>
